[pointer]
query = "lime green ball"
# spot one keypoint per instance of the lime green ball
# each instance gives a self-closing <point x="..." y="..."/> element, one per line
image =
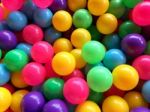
<point x="82" y="18"/>
<point x="0" y="53"/>
<point x="131" y="3"/>
<point x="99" y="79"/>
<point x="15" y="60"/>
<point x="93" y="52"/>
<point x="53" y="88"/>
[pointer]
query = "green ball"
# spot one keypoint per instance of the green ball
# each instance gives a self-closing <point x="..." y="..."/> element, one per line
<point x="131" y="3"/>
<point x="53" y="88"/>
<point x="147" y="50"/>
<point x="82" y="19"/>
<point x="99" y="79"/>
<point x="15" y="60"/>
<point x="93" y="52"/>
<point x="94" y="32"/>
<point x="117" y="8"/>
<point x="0" y="53"/>
<point x="128" y="27"/>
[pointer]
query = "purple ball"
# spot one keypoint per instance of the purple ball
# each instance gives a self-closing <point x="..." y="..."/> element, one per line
<point x="8" y="40"/>
<point x="58" y="5"/>
<point x="33" y="102"/>
<point x="55" y="106"/>
<point x="140" y="109"/>
<point x="133" y="44"/>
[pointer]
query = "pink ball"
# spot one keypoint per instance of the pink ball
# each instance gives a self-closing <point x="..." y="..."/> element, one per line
<point x="76" y="90"/>
<point x="1" y="13"/>
<point x="32" y="34"/>
<point x="34" y="74"/>
<point x="13" y="4"/>
<point x="42" y="52"/>
<point x="43" y="3"/>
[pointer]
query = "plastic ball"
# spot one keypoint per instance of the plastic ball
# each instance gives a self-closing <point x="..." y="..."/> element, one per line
<point x="95" y="34"/>
<point x="98" y="7"/>
<point x="88" y="106"/>
<point x="135" y="99"/>
<point x="58" y="5"/>
<point x="43" y="17"/>
<point x="51" y="35"/>
<point x="55" y="105"/>
<point x="5" y="100"/>
<point x="76" y="90"/>
<point x="53" y="88"/>
<point x="131" y="4"/>
<point x="17" y="80"/>
<point x="82" y="19"/>
<point x="146" y="91"/>
<point x="93" y="52"/>
<point x="43" y="4"/>
<point x="8" y="40"/>
<point x="115" y="56"/>
<point x="125" y="77"/>
<point x="76" y="4"/>
<point x="62" y="21"/>
<point x="9" y="87"/>
<point x="107" y="23"/>
<point x="79" y="37"/>
<point x="15" y="4"/>
<point x="15" y="59"/>
<point x="62" y="44"/>
<point x="17" y="20"/>
<point x="133" y="44"/>
<point x="0" y="53"/>
<point x="34" y="74"/>
<point x="115" y="104"/>
<point x="32" y="34"/>
<point x="4" y="75"/>
<point x="5" y="12"/>
<point x="17" y="99"/>
<point x="80" y="63"/>
<point x="33" y="102"/>
<point x="142" y="64"/>
<point x="140" y="109"/>
<point x="99" y="79"/>
<point x="43" y="48"/>
<point x="61" y="59"/>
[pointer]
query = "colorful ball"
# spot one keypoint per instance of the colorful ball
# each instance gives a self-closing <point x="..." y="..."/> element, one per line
<point x="140" y="109"/>
<point x="10" y="87"/>
<point x="61" y="59"/>
<point x="131" y="4"/>
<point x="34" y="73"/>
<point x="79" y="37"/>
<point x="43" y="4"/>
<point x="125" y="77"/>
<point x="146" y="91"/>
<point x="93" y="52"/>
<point x="76" y="90"/>
<point x="58" y="5"/>
<point x="0" y="53"/>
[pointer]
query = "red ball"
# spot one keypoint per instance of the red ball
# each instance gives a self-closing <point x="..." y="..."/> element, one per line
<point x="32" y="34"/>
<point x="9" y="87"/>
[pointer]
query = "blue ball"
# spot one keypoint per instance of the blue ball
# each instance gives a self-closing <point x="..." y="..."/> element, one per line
<point x="51" y="35"/>
<point x="113" y="58"/>
<point x="17" y="21"/>
<point x="146" y="91"/>
<point x="43" y="17"/>
<point x="4" y="75"/>
<point x="24" y="47"/>
<point x="3" y="26"/>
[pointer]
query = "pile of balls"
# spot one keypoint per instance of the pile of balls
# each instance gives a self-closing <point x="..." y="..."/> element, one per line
<point x="74" y="56"/>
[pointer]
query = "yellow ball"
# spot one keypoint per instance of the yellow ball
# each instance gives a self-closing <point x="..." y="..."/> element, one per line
<point x="17" y="99"/>
<point x="107" y="23"/>
<point x="62" y="44"/>
<point x="88" y="106"/>
<point x="62" y="20"/>
<point x="63" y="63"/>
<point x="17" y="80"/>
<point x="135" y="99"/>
<point x="5" y="99"/>
<point x="80" y="63"/>
<point x="76" y="4"/>
<point x="125" y="77"/>
<point x="79" y="37"/>
<point x="115" y="104"/>
<point x="98" y="7"/>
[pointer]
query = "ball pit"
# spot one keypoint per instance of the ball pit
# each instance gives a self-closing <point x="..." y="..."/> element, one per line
<point x="75" y="56"/>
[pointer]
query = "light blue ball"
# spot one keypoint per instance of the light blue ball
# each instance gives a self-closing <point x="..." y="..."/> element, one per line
<point x="4" y="75"/>
<point x="17" y="20"/>
<point x="113" y="58"/>
<point x="146" y="91"/>
<point x="43" y="17"/>
<point x="51" y="35"/>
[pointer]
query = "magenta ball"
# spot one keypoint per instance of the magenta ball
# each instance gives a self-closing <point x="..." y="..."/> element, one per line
<point x="76" y="90"/>
<point x="42" y="52"/>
